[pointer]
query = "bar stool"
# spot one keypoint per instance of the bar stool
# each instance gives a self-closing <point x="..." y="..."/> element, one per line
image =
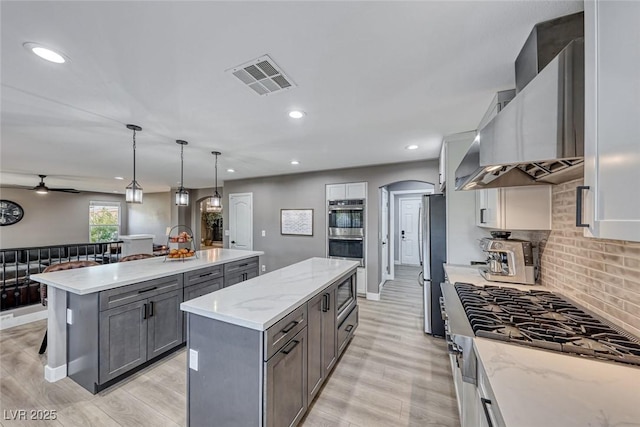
<point x="135" y="257"/>
<point x="43" y="288"/>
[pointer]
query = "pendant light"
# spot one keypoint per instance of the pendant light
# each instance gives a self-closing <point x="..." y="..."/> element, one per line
<point x="182" y="195"/>
<point x="214" y="203"/>
<point x="133" y="192"/>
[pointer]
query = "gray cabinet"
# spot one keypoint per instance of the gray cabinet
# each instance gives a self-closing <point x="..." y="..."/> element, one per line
<point x="346" y="329"/>
<point x="123" y="339"/>
<point x="203" y="288"/>
<point x="164" y="323"/>
<point x="136" y="332"/>
<point x="239" y="271"/>
<point x="322" y="333"/>
<point x="286" y="383"/>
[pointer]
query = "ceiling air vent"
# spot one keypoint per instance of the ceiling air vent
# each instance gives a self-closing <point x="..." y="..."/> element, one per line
<point x="263" y="75"/>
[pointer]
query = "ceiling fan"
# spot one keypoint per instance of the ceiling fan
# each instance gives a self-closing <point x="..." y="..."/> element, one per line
<point x="41" y="188"/>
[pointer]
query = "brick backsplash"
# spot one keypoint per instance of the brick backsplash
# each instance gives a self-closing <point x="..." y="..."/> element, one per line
<point x="602" y="275"/>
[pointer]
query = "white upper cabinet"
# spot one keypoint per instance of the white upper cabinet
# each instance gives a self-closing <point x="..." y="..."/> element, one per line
<point x="356" y="190"/>
<point x="518" y="208"/>
<point x="348" y="191"/>
<point x="336" y="192"/>
<point x="612" y="112"/>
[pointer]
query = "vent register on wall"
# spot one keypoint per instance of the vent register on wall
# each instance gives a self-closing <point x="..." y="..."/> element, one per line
<point x="346" y="226"/>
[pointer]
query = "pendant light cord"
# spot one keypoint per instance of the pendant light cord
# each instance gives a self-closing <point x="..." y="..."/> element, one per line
<point x="181" y="166"/>
<point x="216" y="189"/>
<point x="134" y="159"/>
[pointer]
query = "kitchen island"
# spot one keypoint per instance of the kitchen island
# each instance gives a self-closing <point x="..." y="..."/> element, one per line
<point x="106" y="320"/>
<point x="260" y="351"/>
<point x="510" y="384"/>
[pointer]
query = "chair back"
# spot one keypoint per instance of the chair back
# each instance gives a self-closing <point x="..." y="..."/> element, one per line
<point x="60" y="267"/>
<point x="135" y="257"/>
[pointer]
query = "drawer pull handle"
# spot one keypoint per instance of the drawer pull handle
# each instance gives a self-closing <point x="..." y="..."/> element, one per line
<point x="486" y="402"/>
<point x="289" y="327"/>
<point x="243" y="265"/>
<point x="349" y="328"/>
<point x="206" y="274"/>
<point x="147" y="290"/>
<point x="290" y="347"/>
<point x="579" y="194"/>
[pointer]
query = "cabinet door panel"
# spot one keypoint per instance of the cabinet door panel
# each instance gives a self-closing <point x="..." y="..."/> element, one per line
<point x="123" y="339"/>
<point x="286" y="383"/>
<point x="315" y="368"/>
<point x="336" y="192"/>
<point x="612" y="99"/>
<point x="164" y="323"/>
<point x="356" y="190"/>
<point x="329" y="332"/>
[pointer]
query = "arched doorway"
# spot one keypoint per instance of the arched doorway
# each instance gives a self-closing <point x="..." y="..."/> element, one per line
<point x="393" y="197"/>
<point x="209" y="226"/>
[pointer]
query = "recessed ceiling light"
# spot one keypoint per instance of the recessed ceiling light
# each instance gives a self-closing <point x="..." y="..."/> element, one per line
<point x="231" y="170"/>
<point x="295" y="114"/>
<point x="45" y="53"/>
<point x="118" y="177"/>
<point x="411" y="147"/>
<point x="295" y="162"/>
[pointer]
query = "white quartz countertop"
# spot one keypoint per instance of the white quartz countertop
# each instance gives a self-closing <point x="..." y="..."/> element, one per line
<point x="260" y="302"/>
<point x="470" y="274"/>
<point x="98" y="278"/>
<point x="536" y="388"/>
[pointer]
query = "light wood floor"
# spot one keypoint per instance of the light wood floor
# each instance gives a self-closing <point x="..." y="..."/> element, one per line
<point x="390" y="375"/>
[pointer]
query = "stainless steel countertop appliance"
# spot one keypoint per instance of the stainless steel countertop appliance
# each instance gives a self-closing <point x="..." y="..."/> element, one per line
<point x="509" y="260"/>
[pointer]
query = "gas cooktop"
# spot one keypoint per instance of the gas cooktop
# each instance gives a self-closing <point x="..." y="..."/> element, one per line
<point x="545" y="320"/>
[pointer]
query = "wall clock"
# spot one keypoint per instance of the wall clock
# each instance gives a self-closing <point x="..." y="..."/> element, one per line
<point x="10" y="212"/>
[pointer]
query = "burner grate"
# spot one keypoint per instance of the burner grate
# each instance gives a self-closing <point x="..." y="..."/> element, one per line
<point x="544" y="320"/>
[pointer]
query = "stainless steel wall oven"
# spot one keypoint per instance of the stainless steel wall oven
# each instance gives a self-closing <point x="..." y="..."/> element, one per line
<point x="346" y="229"/>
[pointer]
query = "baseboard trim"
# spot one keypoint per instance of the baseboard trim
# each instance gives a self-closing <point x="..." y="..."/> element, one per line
<point x="9" y="319"/>
<point x="55" y="374"/>
<point x="373" y="296"/>
<point x="381" y="285"/>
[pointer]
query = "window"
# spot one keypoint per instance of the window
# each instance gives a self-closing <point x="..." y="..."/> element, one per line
<point x="104" y="221"/>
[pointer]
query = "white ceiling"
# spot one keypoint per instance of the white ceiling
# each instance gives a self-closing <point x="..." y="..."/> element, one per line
<point x="373" y="78"/>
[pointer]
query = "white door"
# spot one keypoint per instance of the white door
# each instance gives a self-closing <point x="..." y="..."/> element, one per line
<point x="241" y="221"/>
<point x="384" y="234"/>
<point x="409" y="210"/>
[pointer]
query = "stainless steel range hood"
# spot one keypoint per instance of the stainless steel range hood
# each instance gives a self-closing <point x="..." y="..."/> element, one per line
<point x="538" y="138"/>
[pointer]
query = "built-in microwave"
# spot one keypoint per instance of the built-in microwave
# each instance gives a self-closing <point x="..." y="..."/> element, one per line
<point x="345" y="297"/>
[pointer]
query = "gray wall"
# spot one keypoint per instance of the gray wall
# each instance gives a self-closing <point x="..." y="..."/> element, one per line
<point x="153" y="216"/>
<point x="308" y="191"/>
<point x="55" y="218"/>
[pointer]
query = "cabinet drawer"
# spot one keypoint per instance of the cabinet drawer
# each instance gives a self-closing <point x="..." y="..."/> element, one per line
<point x="139" y="291"/>
<point x="203" y="288"/>
<point x="240" y="266"/>
<point x="232" y="279"/>
<point x="280" y="333"/>
<point x="347" y="328"/>
<point x="202" y="275"/>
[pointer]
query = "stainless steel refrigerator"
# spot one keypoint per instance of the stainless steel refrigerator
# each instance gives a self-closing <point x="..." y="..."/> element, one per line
<point x="433" y="254"/>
